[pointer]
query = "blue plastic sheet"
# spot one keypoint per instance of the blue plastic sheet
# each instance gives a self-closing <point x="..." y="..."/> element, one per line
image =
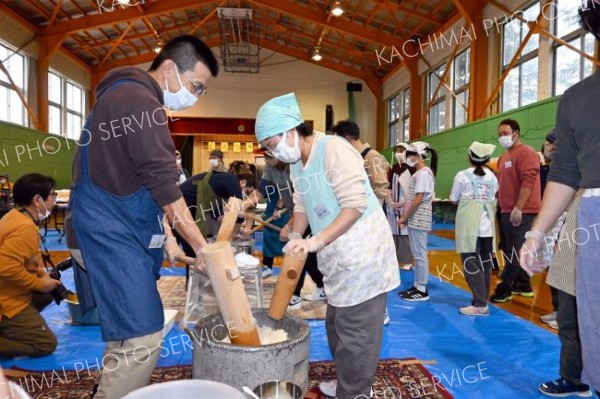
<point x="501" y="356"/>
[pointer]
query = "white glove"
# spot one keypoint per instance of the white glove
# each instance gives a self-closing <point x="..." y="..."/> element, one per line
<point x="172" y="250"/>
<point x="534" y="256"/>
<point x="312" y="244"/>
<point x="516" y="216"/>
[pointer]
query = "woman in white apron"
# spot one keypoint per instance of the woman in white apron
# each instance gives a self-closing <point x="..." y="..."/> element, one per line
<point x="474" y="190"/>
<point x="352" y="240"/>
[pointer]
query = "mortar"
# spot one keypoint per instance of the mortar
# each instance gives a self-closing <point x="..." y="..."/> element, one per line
<point x="251" y="366"/>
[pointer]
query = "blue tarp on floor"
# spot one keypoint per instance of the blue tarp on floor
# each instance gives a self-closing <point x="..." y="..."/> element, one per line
<point x="500" y="356"/>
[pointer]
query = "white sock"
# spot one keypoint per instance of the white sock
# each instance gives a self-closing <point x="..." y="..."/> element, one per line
<point x="420" y="287"/>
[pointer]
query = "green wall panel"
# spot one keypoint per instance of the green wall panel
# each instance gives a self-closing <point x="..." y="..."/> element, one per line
<point x="536" y="121"/>
<point x="24" y="150"/>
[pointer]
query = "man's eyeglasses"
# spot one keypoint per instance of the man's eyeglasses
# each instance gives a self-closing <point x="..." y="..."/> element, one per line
<point x="198" y="89"/>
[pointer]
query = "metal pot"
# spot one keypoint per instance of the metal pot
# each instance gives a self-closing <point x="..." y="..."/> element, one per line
<point x="278" y="390"/>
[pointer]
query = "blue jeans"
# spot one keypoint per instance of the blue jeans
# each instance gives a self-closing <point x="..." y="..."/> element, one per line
<point x="418" y="246"/>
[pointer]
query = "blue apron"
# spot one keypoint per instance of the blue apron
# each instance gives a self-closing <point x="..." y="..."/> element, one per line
<point x="272" y="245"/>
<point x="114" y="233"/>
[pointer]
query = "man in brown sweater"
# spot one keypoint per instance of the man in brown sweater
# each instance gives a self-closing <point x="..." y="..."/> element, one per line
<point x="125" y="178"/>
<point x="23" y="331"/>
<point x="519" y="198"/>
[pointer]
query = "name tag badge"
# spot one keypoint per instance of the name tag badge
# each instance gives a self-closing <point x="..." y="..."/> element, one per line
<point x="157" y="241"/>
<point x="508" y="164"/>
<point x="321" y="211"/>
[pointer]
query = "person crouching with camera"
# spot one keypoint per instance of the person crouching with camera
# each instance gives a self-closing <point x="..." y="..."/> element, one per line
<point x="23" y="331"/>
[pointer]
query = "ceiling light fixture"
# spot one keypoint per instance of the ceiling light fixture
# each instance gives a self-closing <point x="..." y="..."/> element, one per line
<point x="337" y="9"/>
<point x="316" y="54"/>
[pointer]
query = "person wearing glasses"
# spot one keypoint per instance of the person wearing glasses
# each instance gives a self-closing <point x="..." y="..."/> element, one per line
<point x="23" y="331"/>
<point x="125" y="184"/>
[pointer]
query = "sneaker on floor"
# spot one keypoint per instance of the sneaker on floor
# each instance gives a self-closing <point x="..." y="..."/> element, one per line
<point x="502" y="294"/>
<point x="553" y="324"/>
<point x="549" y="317"/>
<point x="475" y="311"/>
<point x="295" y="302"/>
<point x="407" y="267"/>
<point x="414" y="295"/>
<point x="318" y="295"/>
<point x="266" y="271"/>
<point x="386" y="318"/>
<point x="561" y="388"/>
<point x="522" y="290"/>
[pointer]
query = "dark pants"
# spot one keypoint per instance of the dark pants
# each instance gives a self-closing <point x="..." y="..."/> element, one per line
<point x="354" y="334"/>
<point x="478" y="270"/>
<point x="26" y="333"/>
<point x="512" y="241"/>
<point x="554" y="294"/>
<point x="312" y="267"/>
<point x="571" y="364"/>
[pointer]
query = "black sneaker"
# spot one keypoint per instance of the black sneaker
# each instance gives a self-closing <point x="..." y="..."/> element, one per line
<point x="562" y="388"/>
<point x="414" y="295"/>
<point x="502" y="294"/>
<point x="522" y="290"/>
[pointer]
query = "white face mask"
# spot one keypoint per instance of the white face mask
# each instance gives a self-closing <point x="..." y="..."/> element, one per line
<point x="179" y="100"/>
<point x="214" y="163"/>
<point x="400" y="157"/>
<point x="46" y="214"/>
<point x="178" y="162"/>
<point x="506" y="141"/>
<point x="410" y="162"/>
<point x="285" y="153"/>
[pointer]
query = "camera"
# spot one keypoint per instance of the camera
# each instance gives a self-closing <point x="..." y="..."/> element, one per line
<point x="60" y="292"/>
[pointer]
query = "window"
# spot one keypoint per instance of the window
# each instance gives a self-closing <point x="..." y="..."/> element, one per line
<point x="461" y="67"/>
<point x="406" y="115"/>
<point x="521" y="85"/>
<point x="394" y="119"/>
<point x="399" y="117"/>
<point x="74" y="110"/>
<point x="11" y="106"/>
<point x="437" y="114"/>
<point x="66" y="106"/>
<point x="570" y="67"/>
<point x="55" y="101"/>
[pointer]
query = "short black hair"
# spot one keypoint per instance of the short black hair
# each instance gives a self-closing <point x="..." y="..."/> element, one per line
<point x="589" y="17"/>
<point x="346" y="128"/>
<point x="514" y="125"/>
<point x="304" y="129"/>
<point x="249" y="177"/>
<point x="28" y="186"/>
<point x="185" y="51"/>
<point x="216" y="153"/>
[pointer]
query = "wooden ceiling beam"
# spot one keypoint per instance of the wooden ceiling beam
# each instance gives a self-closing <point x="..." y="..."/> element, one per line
<point x="16" y="17"/>
<point x="339" y="24"/>
<point x="413" y="48"/>
<point x="119" y="15"/>
<point x="140" y="59"/>
<point x="425" y="17"/>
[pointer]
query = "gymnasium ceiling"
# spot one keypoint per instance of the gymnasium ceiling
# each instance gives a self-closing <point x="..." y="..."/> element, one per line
<point x="104" y="34"/>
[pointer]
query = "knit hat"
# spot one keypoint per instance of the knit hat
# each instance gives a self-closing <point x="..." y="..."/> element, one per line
<point x="480" y="152"/>
<point x="276" y="116"/>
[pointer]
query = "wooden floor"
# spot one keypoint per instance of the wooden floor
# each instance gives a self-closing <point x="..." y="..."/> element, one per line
<point x="530" y="309"/>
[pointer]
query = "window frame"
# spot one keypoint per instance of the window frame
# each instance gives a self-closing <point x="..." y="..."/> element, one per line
<point x="13" y="52"/>
<point x="64" y="106"/>
<point x="578" y="34"/>
<point x="524" y="58"/>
